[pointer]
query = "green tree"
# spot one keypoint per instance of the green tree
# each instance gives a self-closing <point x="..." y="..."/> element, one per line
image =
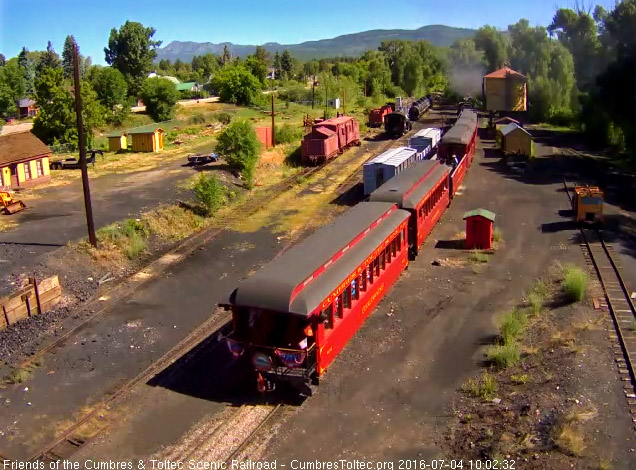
<point x="56" y="121"/>
<point x="412" y="75"/>
<point x="240" y="147"/>
<point x="205" y="65"/>
<point x="67" y="56"/>
<point x="3" y="60"/>
<point x="111" y="88"/>
<point x="277" y="65"/>
<point x="493" y="44"/>
<point x="226" y="57"/>
<point x="23" y="58"/>
<point x="287" y="63"/>
<point x="261" y="54"/>
<point x="578" y="32"/>
<point x="159" y="95"/>
<point x="131" y="50"/>
<point x="236" y="85"/>
<point x="49" y="58"/>
<point x="257" y="67"/>
<point x="13" y="86"/>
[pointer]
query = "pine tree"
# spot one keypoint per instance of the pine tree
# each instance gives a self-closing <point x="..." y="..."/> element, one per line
<point x="226" y="55"/>
<point x="67" y="56"/>
<point x="49" y="58"/>
<point x="3" y="60"/>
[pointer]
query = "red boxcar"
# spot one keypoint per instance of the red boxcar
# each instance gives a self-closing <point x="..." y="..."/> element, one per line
<point x="318" y="145"/>
<point x="376" y="116"/>
<point x="423" y="190"/>
<point x="293" y="317"/>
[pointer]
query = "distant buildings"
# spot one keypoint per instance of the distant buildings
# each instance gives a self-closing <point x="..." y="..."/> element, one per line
<point x="24" y="160"/>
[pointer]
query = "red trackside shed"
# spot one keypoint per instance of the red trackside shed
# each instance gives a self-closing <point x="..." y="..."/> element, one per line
<point x="264" y="135"/>
<point x="376" y="116"/>
<point x="479" y="224"/>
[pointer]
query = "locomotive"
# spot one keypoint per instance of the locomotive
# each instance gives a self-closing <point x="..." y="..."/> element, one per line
<point x="419" y="107"/>
<point x="397" y="124"/>
<point x="292" y="318"/>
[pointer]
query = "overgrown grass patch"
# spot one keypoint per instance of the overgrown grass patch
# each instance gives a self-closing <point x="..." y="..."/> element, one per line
<point x="513" y="324"/>
<point x="519" y="379"/>
<point x="478" y="256"/>
<point x="574" y="283"/>
<point x="504" y="355"/>
<point x="568" y="437"/>
<point x="130" y="236"/>
<point x="173" y="222"/>
<point x="497" y="237"/>
<point x="18" y="376"/>
<point x="485" y="387"/>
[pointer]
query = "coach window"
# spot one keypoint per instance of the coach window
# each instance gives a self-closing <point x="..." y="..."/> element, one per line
<point x="355" y="288"/>
<point x="381" y="263"/>
<point x="346" y="297"/>
<point x="376" y="266"/>
<point x="328" y="314"/>
<point x="394" y="246"/>
<point x="339" y="309"/>
<point x="363" y="280"/>
<point x="369" y="271"/>
<point x="387" y="253"/>
<point x="398" y="241"/>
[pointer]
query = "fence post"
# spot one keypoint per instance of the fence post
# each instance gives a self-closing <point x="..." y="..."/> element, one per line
<point x="34" y="281"/>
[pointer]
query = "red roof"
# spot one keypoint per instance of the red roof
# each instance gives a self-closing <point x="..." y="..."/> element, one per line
<point x="337" y="120"/>
<point x="324" y="131"/>
<point x="503" y="73"/>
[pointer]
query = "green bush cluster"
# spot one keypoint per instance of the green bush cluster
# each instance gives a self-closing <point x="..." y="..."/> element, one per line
<point x="210" y="193"/>
<point x="131" y="236"/>
<point x="287" y="133"/>
<point x="223" y="117"/>
<point x="485" y="388"/>
<point x="240" y="147"/>
<point x="574" y="283"/>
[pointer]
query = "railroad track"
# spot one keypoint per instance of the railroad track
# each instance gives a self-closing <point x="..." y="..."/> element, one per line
<point x="71" y="439"/>
<point x="600" y="258"/>
<point x="227" y="437"/>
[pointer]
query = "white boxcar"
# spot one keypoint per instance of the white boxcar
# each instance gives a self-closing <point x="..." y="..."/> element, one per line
<point x="425" y="141"/>
<point x="385" y="166"/>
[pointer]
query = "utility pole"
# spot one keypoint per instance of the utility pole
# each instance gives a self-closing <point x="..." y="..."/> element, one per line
<point x="313" y="92"/>
<point x="82" y="150"/>
<point x="344" y="102"/>
<point x="326" y="102"/>
<point x="273" y="125"/>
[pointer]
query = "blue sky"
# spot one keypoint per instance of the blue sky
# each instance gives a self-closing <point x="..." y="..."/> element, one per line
<point x="31" y="23"/>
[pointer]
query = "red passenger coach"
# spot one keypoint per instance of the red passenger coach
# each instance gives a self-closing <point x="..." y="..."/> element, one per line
<point x="423" y="190"/>
<point x="459" y="142"/>
<point x="329" y="138"/>
<point x="293" y="317"/>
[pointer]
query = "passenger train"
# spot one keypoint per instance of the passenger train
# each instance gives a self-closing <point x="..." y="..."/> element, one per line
<point x="292" y="318"/>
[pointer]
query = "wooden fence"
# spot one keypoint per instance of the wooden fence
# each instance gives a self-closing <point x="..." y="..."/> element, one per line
<point x="35" y="299"/>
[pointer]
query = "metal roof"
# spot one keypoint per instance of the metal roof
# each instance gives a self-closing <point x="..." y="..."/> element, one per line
<point x="504" y="72"/>
<point x="486" y="214"/>
<point x="383" y="156"/>
<point x="399" y="157"/>
<point x="511" y="128"/>
<point x="149" y="129"/>
<point x="400" y="188"/>
<point x="458" y="134"/>
<point x="294" y="283"/>
<point x="25" y="103"/>
<point x="185" y="86"/>
<point x="428" y="132"/>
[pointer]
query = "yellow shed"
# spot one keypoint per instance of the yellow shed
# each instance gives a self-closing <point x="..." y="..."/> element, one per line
<point x="147" y="138"/>
<point x="117" y="141"/>
<point x="516" y="140"/>
<point x="505" y="90"/>
<point x="24" y="160"/>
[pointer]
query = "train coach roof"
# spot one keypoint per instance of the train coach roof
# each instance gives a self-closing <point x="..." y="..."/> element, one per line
<point x="458" y="134"/>
<point x="279" y="285"/>
<point x="337" y="120"/>
<point x="400" y="188"/>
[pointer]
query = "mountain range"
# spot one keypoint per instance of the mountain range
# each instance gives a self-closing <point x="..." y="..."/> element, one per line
<point x="349" y="45"/>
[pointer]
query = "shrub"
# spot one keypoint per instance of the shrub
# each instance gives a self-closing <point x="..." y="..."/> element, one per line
<point x="574" y="283"/>
<point x="240" y="147"/>
<point x="512" y="325"/>
<point x="17" y="376"/>
<point x="130" y="236"/>
<point x="224" y="118"/>
<point x="484" y="388"/>
<point x="197" y="118"/>
<point x="286" y="134"/>
<point x="210" y="193"/>
<point x="504" y="355"/>
<point x="477" y="256"/>
<point x="496" y="235"/>
<point x="519" y="379"/>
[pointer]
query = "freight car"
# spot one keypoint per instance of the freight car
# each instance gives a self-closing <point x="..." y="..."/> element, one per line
<point x="293" y="317"/>
<point x="376" y="116"/>
<point x="396" y="124"/>
<point x="418" y="108"/>
<point x="385" y="166"/>
<point x="425" y="141"/>
<point x="330" y="138"/>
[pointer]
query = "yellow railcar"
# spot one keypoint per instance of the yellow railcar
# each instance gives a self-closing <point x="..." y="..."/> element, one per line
<point x="588" y="204"/>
